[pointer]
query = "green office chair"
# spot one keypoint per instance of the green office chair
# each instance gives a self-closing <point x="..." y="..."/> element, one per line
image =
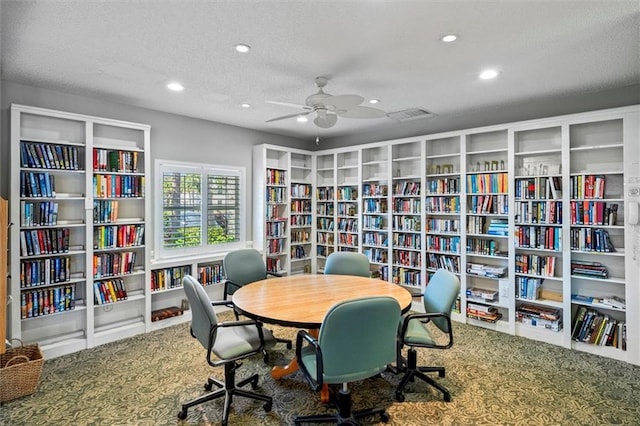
<point x="438" y="297"/>
<point x="357" y="340"/>
<point x="347" y="263"/>
<point x="243" y="267"/>
<point x="229" y="342"/>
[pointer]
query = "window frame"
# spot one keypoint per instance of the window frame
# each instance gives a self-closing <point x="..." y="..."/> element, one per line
<point x="162" y="166"/>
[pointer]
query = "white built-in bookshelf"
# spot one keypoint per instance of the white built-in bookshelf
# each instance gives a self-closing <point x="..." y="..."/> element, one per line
<point x="283" y="208"/>
<point x="80" y="266"/>
<point x="79" y="263"/>
<point x="375" y="198"/>
<point x="301" y="214"/>
<point x="324" y="217"/>
<point x="405" y="241"/>
<point x="169" y="305"/>
<point x="531" y="216"/>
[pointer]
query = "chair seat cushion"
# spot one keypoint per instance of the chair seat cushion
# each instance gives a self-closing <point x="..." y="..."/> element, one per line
<point x="417" y="333"/>
<point x="232" y="342"/>
<point x="309" y="361"/>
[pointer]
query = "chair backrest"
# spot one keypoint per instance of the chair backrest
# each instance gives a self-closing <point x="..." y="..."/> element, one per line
<point x="439" y="295"/>
<point x="347" y="263"/>
<point x="244" y="266"/>
<point x="358" y="338"/>
<point x="203" y="316"/>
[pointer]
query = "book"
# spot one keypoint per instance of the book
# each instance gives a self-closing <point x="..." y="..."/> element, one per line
<point x="578" y="320"/>
<point x="581" y="299"/>
<point x="614" y="302"/>
<point x="586" y="325"/>
<point x="165" y="313"/>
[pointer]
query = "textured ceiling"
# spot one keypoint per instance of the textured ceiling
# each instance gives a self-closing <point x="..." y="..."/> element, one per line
<point x="126" y="52"/>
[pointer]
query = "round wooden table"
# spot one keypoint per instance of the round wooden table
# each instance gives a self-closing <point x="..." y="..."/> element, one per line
<point x="302" y="301"/>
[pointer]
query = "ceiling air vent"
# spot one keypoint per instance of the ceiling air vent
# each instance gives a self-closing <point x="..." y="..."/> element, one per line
<point x="410" y="114"/>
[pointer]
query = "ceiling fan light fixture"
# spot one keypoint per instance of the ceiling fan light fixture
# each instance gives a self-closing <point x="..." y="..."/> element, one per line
<point x="449" y="38"/>
<point x="325" y="121"/>
<point x="374" y="101"/>
<point x="302" y="119"/>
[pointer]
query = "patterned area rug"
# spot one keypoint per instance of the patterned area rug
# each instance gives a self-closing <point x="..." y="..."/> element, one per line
<point x="494" y="379"/>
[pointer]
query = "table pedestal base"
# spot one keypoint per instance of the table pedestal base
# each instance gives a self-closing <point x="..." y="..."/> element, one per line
<point x="278" y="372"/>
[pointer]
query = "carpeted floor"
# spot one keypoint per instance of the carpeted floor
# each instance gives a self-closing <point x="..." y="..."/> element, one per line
<point x="494" y="379"/>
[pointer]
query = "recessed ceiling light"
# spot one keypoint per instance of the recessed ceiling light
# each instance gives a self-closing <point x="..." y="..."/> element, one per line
<point x="175" y="86"/>
<point x="374" y="101"/>
<point x="302" y="119"/>
<point x="242" y="48"/>
<point x="245" y="105"/>
<point x="488" y="74"/>
<point x="449" y="38"/>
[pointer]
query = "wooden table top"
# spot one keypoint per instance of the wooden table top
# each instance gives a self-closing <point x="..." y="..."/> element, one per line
<point x="302" y="301"/>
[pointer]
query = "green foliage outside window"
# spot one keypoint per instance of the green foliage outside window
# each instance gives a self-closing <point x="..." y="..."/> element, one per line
<point x="183" y="209"/>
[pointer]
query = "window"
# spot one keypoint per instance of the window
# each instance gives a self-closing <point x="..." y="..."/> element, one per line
<point x="200" y="208"/>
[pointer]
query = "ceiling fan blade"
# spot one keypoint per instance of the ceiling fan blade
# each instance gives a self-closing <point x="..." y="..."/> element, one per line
<point x="325" y="121"/>
<point x="342" y="101"/>
<point x="362" y="112"/>
<point x="284" y="117"/>
<point x="289" y="105"/>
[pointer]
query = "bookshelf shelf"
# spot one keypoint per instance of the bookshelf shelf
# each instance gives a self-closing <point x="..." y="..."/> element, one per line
<point x="488" y="151"/>
<point x="537" y="153"/>
<point x="596" y="147"/>
<point x="610" y="280"/>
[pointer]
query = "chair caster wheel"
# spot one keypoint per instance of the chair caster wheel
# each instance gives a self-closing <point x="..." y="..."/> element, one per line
<point x="267" y="406"/>
<point x="447" y="397"/>
<point x="441" y="373"/>
<point x="384" y="417"/>
<point x="254" y="385"/>
<point x="208" y="386"/>
<point x="399" y="397"/>
<point x="182" y="414"/>
<point x="289" y="345"/>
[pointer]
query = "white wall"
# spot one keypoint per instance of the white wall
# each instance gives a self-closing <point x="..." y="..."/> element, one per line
<point x="534" y="108"/>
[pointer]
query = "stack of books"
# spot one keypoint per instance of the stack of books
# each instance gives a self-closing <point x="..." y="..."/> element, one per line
<point x="498" y="227"/>
<point x="489" y="271"/>
<point x="615" y="302"/>
<point x="483" y="312"/>
<point x="589" y="269"/>
<point x="482" y="294"/>
<point x="539" y="316"/>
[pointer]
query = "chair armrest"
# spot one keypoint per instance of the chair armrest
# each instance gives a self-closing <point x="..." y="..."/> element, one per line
<point x="428" y="317"/>
<point x="226" y="290"/>
<point x="228" y="324"/>
<point x="227" y="303"/>
<point x="316" y="385"/>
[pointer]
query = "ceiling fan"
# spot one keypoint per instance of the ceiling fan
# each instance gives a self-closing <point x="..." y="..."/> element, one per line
<point x="328" y="107"/>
